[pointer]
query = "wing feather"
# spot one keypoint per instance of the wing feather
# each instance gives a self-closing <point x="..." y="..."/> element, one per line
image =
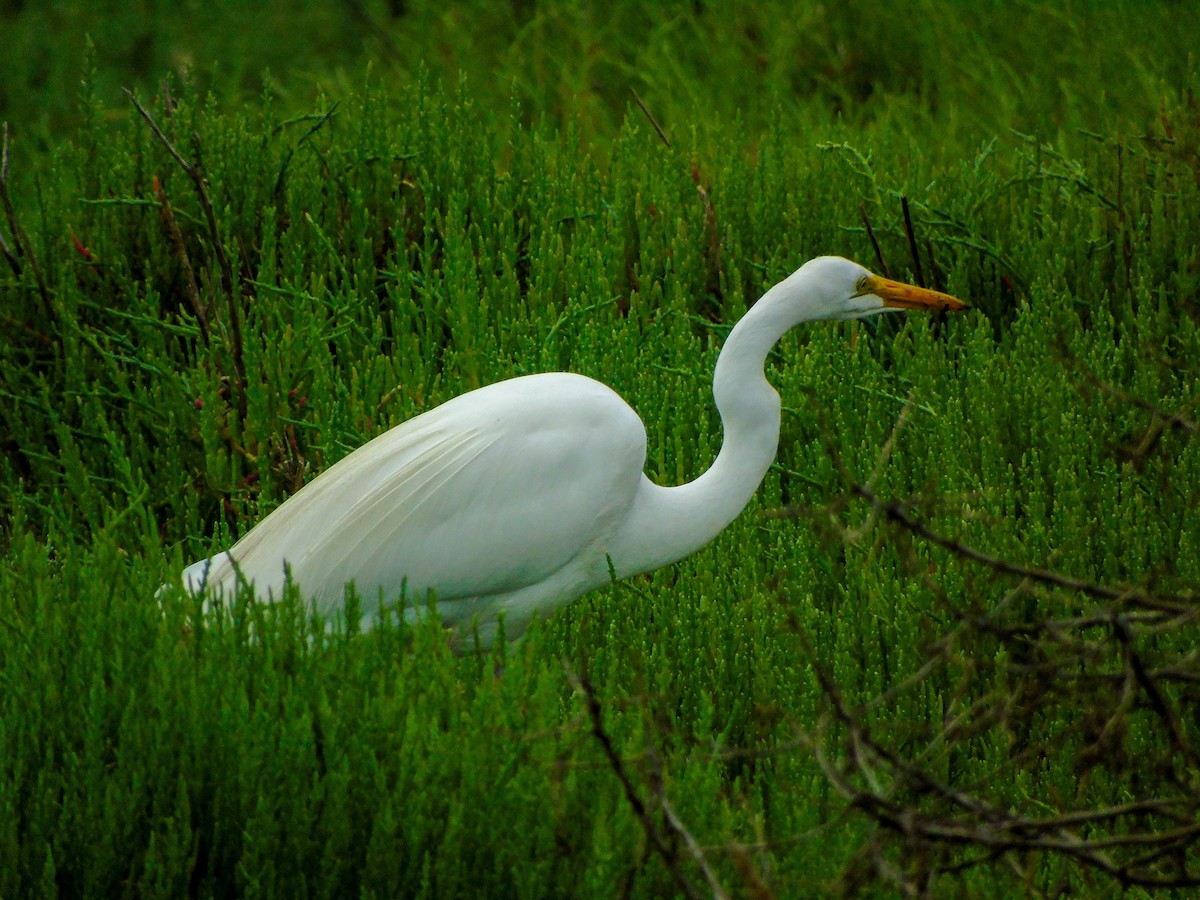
<point x="487" y="494"/>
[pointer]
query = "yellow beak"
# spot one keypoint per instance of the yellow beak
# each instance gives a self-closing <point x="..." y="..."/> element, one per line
<point x="898" y="295"/>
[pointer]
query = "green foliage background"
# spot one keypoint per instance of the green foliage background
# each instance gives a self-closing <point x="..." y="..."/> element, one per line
<point x="419" y="199"/>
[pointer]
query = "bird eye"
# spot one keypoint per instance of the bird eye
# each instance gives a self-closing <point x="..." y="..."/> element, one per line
<point x="863" y="286"/>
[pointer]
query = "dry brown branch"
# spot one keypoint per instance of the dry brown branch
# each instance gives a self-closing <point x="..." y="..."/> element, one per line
<point x="881" y="783"/>
<point x="7" y="205"/>
<point x="21" y="245"/>
<point x="1161" y="421"/>
<point x="7" y="251"/>
<point x="918" y="272"/>
<point x="1105" y="662"/>
<point x="1171" y="604"/>
<point x="712" y="248"/>
<point x="653" y="836"/>
<point x="189" y="276"/>
<point x="228" y="284"/>
<point x="658" y="128"/>
<point x="696" y="851"/>
<point x="8" y="209"/>
<point x="883" y="266"/>
<point x="1172" y="420"/>
<point x="1158" y="701"/>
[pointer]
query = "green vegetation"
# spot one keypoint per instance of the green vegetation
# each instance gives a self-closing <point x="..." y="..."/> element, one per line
<point x="387" y="233"/>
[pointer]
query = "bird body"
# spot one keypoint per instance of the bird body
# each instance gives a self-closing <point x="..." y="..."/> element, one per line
<point x="555" y="460"/>
<point x="518" y="497"/>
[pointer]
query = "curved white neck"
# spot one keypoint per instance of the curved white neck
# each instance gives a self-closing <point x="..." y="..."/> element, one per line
<point x="668" y="523"/>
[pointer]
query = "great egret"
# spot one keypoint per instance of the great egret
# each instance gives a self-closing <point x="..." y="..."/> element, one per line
<point x="518" y="497"/>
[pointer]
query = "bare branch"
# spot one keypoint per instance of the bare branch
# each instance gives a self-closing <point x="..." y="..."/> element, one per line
<point x="20" y="238"/>
<point x="1158" y="701"/>
<point x="1179" y="419"/>
<point x="192" y="293"/>
<point x="895" y="512"/>
<point x="658" y="128"/>
<point x="631" y="795"/>
<point x="195" y="173"/>
<point x="163" y="139"/>
<point x="693" y="847"/>
<point x="883" y="266"/>
<point x="912" y="242"/>
<point x="13" y="262"/>
<point x="996" y="829"/>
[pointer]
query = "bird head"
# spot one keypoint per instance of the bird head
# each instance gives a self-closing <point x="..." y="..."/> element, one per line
<point x="837" y="288"/>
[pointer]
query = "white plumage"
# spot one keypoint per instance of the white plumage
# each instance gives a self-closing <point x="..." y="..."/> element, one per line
<point x="520" y="496"/>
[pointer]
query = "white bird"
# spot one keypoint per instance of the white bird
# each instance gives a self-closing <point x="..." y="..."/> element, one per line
<point x="518" y="497"/>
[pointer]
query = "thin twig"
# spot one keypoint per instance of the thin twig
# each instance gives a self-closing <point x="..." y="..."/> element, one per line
<point x="693" y="847"/>
<point x="1160" y="704"/>
<point x="631" y="795"/>
<point x="20" y="238"/>
<point x="163" y="139"/>
<point x="662" y="134"/>
<point x="712" y="248"/>
<point x="10" y="256"/>
<point x="8" y="253"/>
<point x="912" y="242"/>
<point x="195" y="173"/>
<point x="883" y="266"/>
<point x="197" y="176"/>
<point x="1178" y="419"/>
<point x="189" y="276"/>
<point x="896" y="512"/>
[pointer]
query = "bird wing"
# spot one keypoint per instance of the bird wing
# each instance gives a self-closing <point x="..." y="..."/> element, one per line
<point x="491" y="492"/>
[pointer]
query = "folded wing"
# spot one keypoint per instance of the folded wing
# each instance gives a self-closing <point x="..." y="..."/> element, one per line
<point x="490" y="493"/>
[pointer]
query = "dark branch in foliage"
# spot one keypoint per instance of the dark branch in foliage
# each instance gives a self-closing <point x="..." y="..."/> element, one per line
<point x="1161" y="422"/>
<point x="318" y="124"/>
<point x="20" y="238"/>
<point x="883" y="266"/>
<point x="673" y="823"/>
<point x="658" y="128"/>
<point x="897" y="794"/>
<point x="189" y="276"/>
<point x="195" y="173"/>
<point x="918" y="272"/>
<point x="1173" y="604"/>
<point x="4" y="247"/>
<point x="1100" y="673"/>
